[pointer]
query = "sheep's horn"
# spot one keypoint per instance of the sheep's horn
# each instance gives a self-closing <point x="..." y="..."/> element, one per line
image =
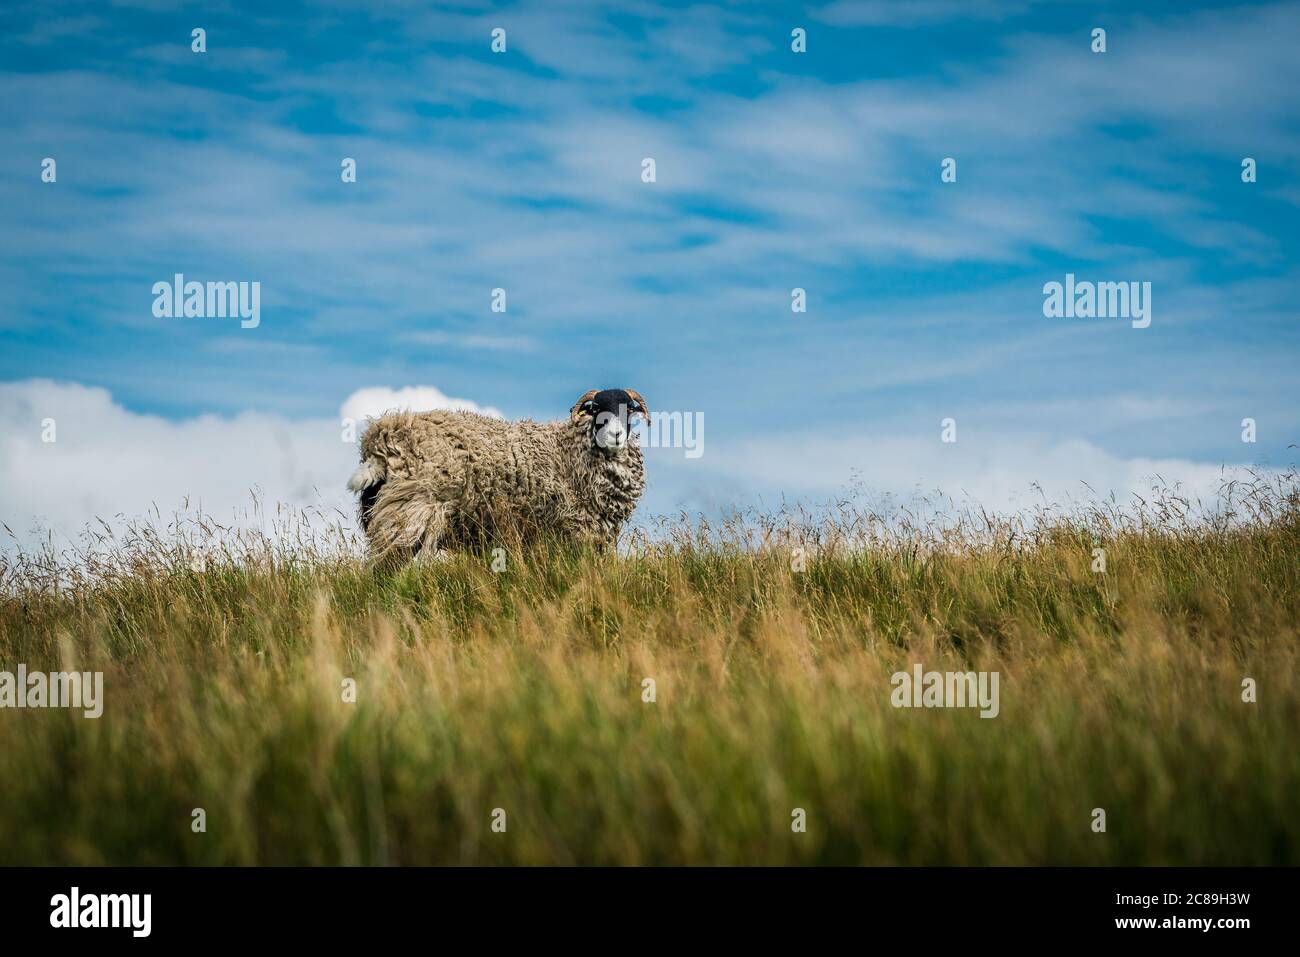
<point x="586" y="397"/>
<point x="645" y="408"/>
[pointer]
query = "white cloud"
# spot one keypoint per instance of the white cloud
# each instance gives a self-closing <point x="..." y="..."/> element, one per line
<point x="108" y="461"/>
<point x="112" y="463"/>
<point x="873" y="13"/>
<point x="376" y="400"/>
<point x="1002" y="472"/>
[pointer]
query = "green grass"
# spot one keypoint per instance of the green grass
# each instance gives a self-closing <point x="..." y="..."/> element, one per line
<point x="523" y="691"/>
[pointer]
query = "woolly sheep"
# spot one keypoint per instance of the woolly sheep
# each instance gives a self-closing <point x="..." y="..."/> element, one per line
<point x="460" y="480"/>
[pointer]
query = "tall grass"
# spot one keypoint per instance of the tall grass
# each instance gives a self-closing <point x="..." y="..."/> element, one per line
<point x="225" y="657"/>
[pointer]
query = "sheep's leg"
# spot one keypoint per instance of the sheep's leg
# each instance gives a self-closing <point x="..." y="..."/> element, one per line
<point x="433" y="556"/>
<point x="405" y="521"/>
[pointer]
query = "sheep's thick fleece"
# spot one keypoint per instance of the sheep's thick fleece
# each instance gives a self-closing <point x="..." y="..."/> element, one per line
<point x="432" y="480"/>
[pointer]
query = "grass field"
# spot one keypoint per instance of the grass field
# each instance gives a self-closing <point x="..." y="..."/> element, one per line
<point x="523" y="690"/>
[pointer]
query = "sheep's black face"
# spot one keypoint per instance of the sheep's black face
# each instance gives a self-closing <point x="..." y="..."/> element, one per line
<point x="606" y="414"/>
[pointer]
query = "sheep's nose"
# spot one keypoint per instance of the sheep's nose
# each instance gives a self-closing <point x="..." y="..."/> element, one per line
<point x="611" y="436"/>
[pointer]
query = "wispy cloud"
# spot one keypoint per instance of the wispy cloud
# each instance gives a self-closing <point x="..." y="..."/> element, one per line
<point x="775" y="170"/>
<point x="876" y="13"/>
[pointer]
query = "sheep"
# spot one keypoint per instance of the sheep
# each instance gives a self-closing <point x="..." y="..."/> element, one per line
<point x="434" y="481"/>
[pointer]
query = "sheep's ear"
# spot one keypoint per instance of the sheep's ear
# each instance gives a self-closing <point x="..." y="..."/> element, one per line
<point x="576" y="412"/>
<point x="636" y="397"/>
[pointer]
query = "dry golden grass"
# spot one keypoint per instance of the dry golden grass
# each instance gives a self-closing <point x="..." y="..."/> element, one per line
<point x="522" y="690"/>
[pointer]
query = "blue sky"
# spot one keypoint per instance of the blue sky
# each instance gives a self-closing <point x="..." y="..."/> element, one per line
<point x="775" y="170"/>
